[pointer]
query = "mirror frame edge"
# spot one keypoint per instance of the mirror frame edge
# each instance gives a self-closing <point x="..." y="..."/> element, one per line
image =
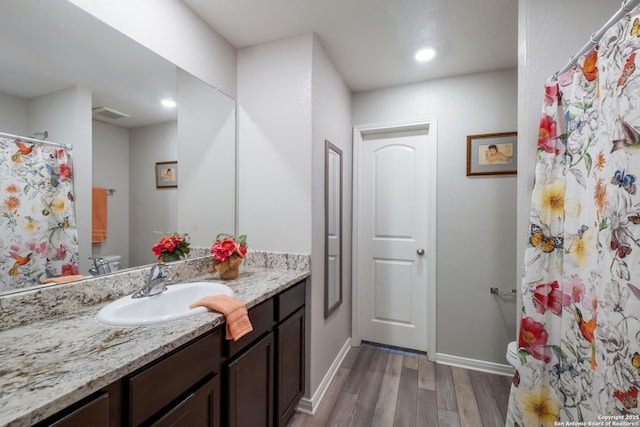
<point x="328" y="310"/>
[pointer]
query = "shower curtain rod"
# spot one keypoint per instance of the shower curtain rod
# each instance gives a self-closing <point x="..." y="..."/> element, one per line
<point x="626" y="7"/>
<point x="40" y="141"/>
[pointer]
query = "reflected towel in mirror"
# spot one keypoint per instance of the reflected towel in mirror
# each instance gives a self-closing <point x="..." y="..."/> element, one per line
<point x="63" y="279"/>
<point x="99" y="215"/>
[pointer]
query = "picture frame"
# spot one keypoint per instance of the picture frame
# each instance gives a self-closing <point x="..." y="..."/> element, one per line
<point x="167" y="174"/>
<point x="492" y="154"/>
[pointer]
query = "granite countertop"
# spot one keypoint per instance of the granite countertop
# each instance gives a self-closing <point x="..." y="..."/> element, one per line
<point x="47" y="365"/>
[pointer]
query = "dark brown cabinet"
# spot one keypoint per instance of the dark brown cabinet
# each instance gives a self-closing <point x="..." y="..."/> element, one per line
<point x="181" y="389"/>
<point x="256" y="381"/>
<point x="199" y="409"/>
<point x="290" y="369"/>
<point x="93" y="413"/>
<point x="264" y="375"/>
<point x="290" y="351"/>
<point x="250" y="386"/>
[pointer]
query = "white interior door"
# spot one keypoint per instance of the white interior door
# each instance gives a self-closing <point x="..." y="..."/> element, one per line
<point x="395" y="181"/>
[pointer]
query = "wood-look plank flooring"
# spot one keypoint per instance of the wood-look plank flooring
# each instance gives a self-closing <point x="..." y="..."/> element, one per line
<point x="377" y="386"/>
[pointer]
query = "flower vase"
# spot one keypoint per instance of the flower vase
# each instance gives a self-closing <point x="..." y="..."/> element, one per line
<point x="168" y="257"/>
<point x="228" y="269"/>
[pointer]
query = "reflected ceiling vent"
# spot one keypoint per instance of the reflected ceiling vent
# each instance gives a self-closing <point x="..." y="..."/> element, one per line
<point x="102" y="113"/>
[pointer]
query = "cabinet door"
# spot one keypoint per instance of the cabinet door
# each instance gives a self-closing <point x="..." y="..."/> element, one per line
<point x="290" y="370"/>
<point x="199" y="409"/>
<point x="250" y="386"/>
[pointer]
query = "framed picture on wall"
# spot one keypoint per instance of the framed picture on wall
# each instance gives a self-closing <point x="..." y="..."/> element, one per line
<point x="492" y="154"/>
<point x="167" y="174"/>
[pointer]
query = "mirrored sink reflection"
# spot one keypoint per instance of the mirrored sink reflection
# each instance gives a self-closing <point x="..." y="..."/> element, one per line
<point x="171" y="304"/>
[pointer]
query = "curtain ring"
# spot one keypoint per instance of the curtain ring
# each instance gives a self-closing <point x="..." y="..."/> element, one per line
<point x="628" y="15"/>
<point x="573" y="63"/>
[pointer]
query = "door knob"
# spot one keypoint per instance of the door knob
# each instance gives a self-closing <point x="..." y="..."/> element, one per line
<point x="420" y="251"/>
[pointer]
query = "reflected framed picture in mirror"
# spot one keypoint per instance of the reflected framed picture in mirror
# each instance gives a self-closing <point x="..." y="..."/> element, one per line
<point x="167" y="174"/>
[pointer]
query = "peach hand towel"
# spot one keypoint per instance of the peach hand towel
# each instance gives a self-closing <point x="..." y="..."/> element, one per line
<point x="99" y="215"/>
<point x="63" y="279"/>
<point x="234" y="310"/>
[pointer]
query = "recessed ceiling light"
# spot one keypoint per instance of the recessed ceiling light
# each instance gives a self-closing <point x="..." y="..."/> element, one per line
<point x="169" y="103"/>
<point x="425" y="54"/>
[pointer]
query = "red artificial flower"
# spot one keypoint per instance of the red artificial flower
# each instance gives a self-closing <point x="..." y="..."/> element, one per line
<point x="548" y="296"/>
<point x="173" y="244"/>
<point x="533" y="339"/>
<point x="228" y="246"/>
<point x="168" y="243"/>
<point x="157" y="249"/>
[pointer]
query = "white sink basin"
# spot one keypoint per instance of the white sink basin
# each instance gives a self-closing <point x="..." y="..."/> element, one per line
<point x="171" y="304"/>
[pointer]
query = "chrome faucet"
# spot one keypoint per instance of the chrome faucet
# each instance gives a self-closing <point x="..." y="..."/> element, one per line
<point x="100" y="266"/>
<point x="156" y="283"/>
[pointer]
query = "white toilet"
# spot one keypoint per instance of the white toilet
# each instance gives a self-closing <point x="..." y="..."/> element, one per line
<point x="512" y="354"/>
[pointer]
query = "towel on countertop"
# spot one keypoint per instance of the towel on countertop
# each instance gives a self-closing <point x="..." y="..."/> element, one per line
<point x="64" y="279"/>
<point x="234" y="310"/>
<point x="99" y="215"/>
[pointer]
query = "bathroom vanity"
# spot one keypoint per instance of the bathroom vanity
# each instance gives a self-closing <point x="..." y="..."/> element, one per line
<point x="73" y="371"/>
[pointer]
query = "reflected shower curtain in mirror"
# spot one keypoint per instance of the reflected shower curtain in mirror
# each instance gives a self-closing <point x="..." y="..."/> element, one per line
<point x="579" y="337"/>
<point x="38" y="237"/>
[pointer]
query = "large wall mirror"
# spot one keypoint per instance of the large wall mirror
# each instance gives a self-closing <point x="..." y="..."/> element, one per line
<point x="333" y="229"/>
<point x="55" y="51"/>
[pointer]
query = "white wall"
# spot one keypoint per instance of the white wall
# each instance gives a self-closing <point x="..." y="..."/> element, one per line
<point x="545" y="46"/>
<point x="290" y="99"/>
<point x="14" y="114"/>
<point x="476" y="218"/>
<point x="331" y="120"/>
<point x="274" y="145"/>
<point x="151" y="209"/>
<point x="111" y="170"/>
<point x="207" y="121"/>
<point x="172" y="30"/>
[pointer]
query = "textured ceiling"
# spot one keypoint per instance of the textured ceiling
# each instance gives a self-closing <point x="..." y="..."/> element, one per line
<point x="372" y="41"/>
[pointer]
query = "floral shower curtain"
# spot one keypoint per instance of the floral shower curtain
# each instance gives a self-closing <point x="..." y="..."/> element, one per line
<point x="38" y="235"/>
<point x="579" y="339"/>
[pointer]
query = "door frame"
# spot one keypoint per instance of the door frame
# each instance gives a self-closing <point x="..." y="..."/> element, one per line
<point x="358" y="140"/>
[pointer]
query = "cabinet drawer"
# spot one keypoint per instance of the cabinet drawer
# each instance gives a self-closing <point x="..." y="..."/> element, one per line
<point x="156" y="386"/>
<point x="95" y="413"/>
<point x="199" y="409"/>
<point x="261" y="317"/>
<point x="290" y="300"/>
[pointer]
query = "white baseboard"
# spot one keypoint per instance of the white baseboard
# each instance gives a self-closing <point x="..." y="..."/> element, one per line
<point x="309" y="406"/>
<point x="475" y="365"/>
